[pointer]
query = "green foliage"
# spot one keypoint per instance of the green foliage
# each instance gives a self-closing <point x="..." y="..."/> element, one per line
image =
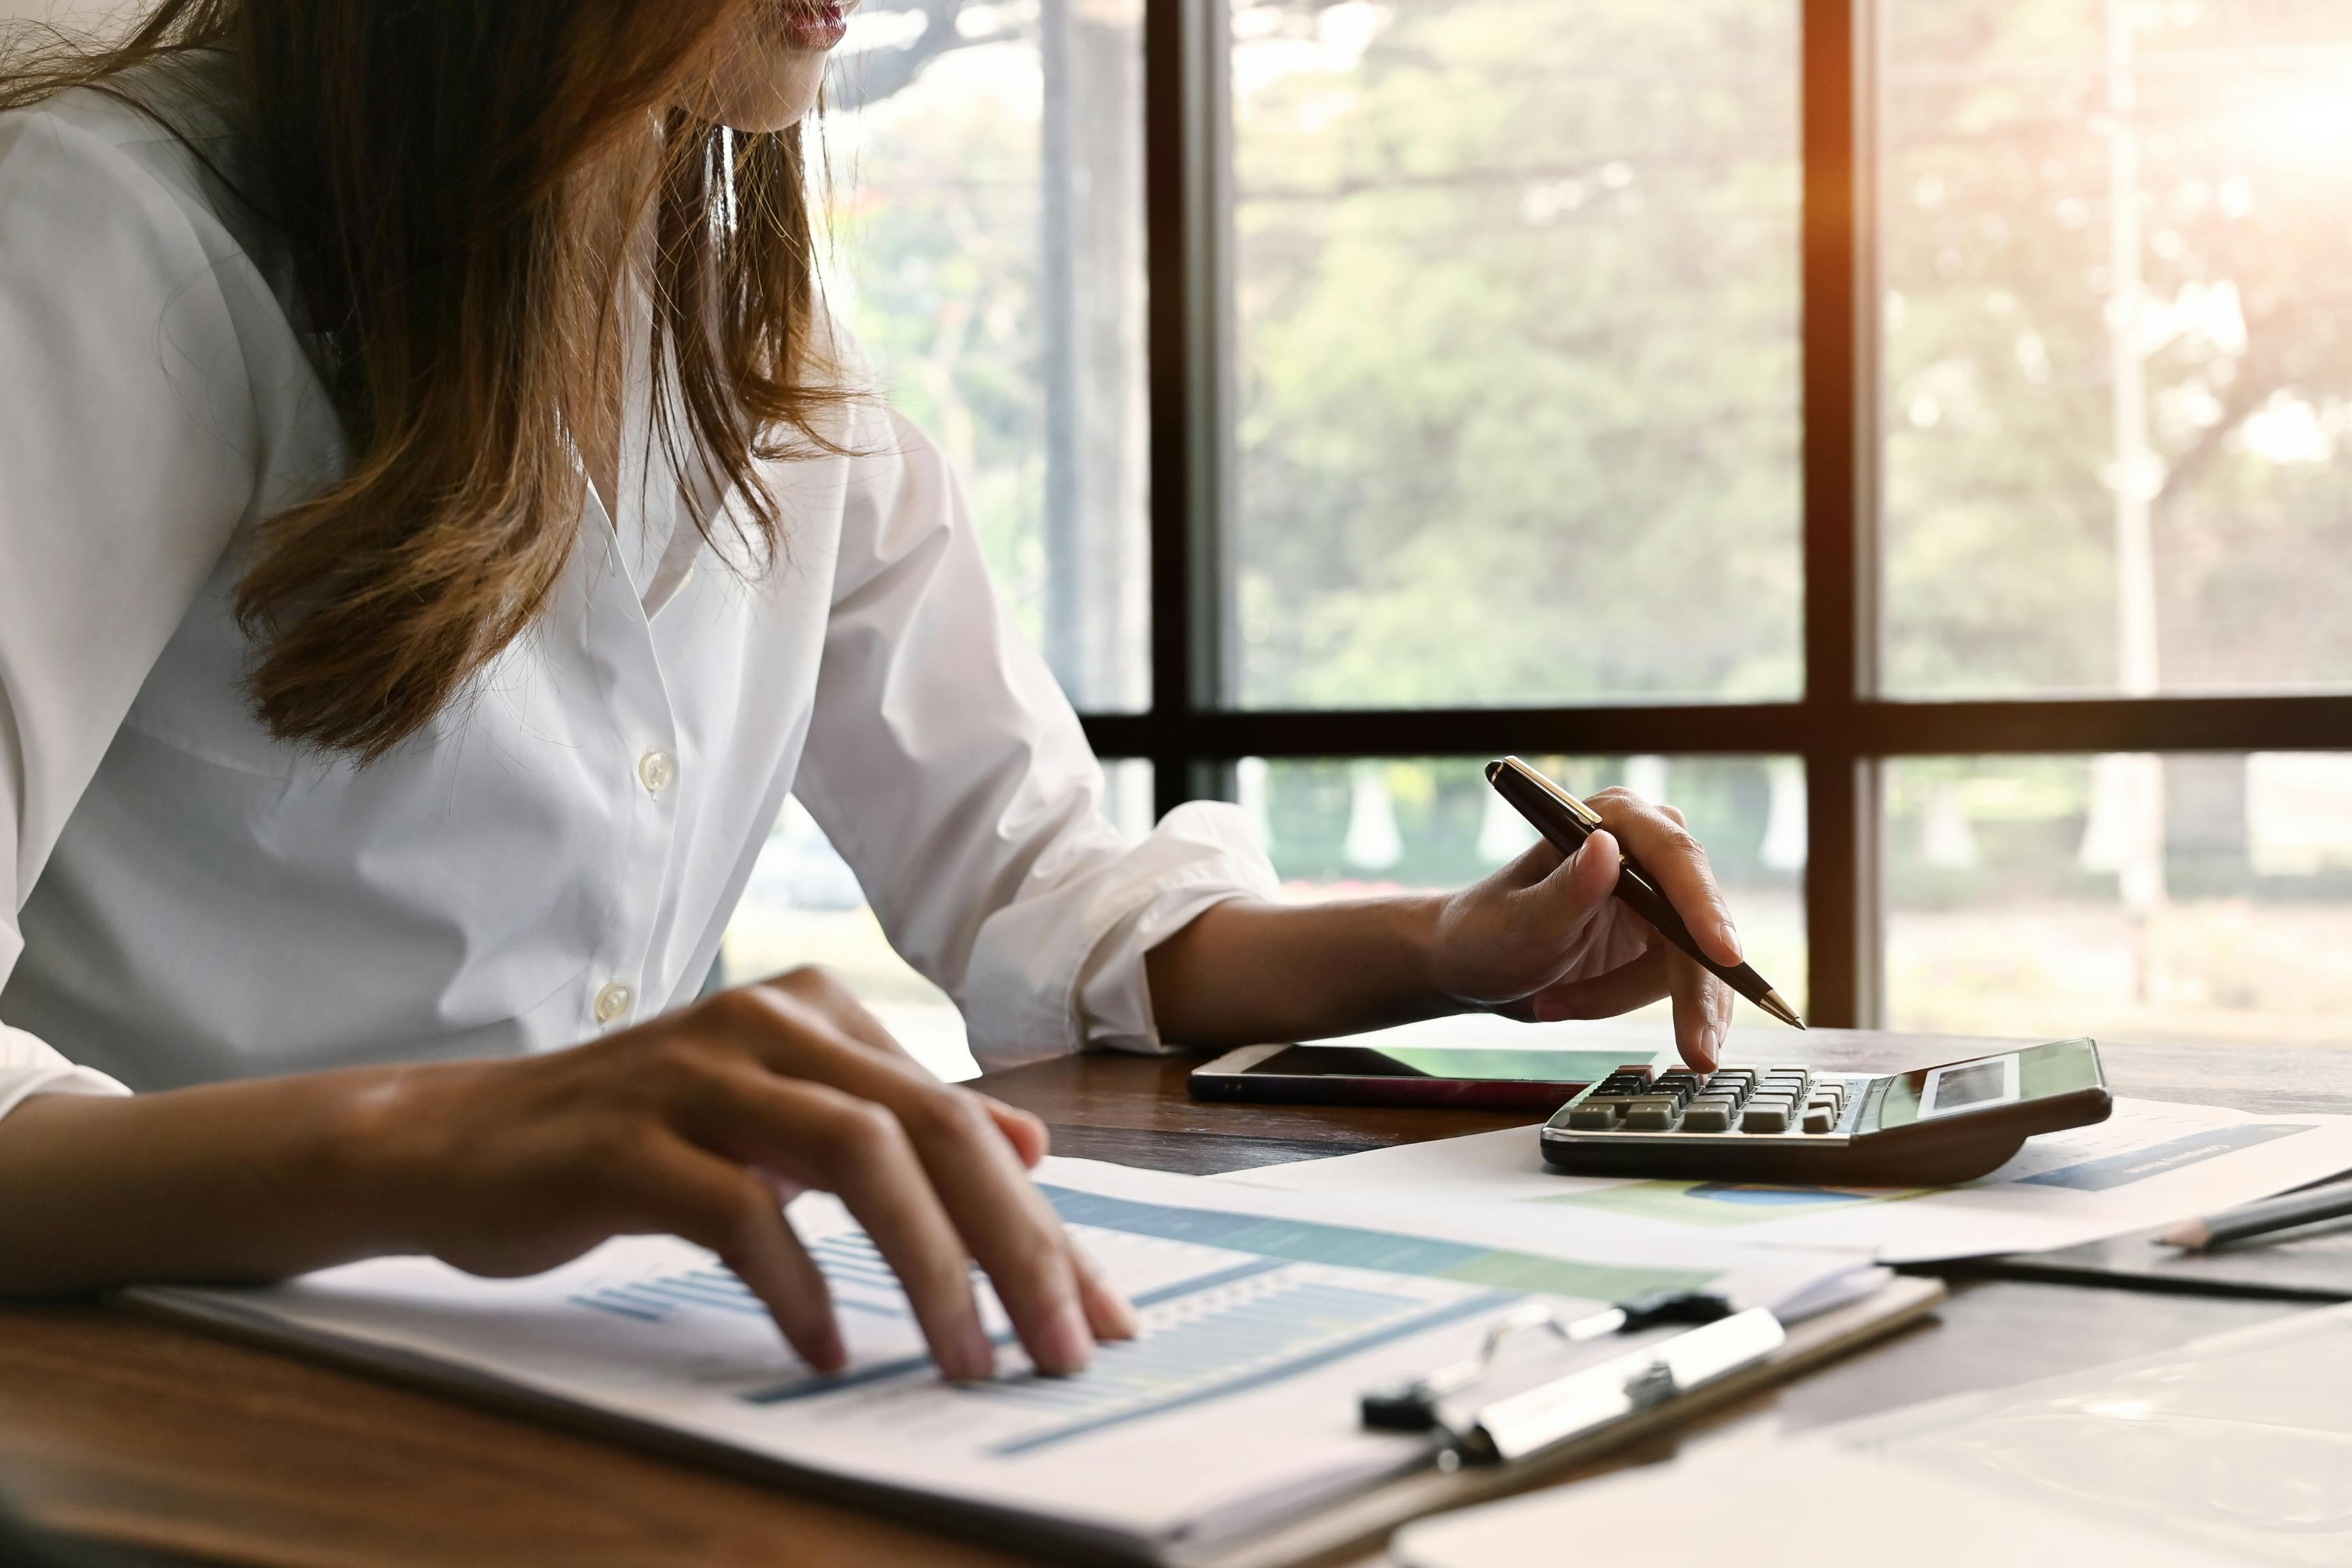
<point x="1517" y="304"/>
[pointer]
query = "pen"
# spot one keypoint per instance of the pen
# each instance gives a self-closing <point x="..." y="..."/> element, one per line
<point x="2332" y="1201"/>
<point x="1568" y="821"/>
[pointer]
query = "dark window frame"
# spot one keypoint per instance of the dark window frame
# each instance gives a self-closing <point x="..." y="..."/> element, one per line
<point x="1841" y="728"/>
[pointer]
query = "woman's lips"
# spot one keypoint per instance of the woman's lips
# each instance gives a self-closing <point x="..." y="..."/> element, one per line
<point x="816" y="26"/>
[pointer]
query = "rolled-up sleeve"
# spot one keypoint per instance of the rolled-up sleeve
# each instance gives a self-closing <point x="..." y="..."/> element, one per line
<point x="946" y="766"/>
<point x="28" y="1068"/>
<point x="127" y="461"/>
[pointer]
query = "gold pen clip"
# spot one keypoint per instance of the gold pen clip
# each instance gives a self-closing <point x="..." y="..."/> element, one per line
<point x="1576" y="809"/>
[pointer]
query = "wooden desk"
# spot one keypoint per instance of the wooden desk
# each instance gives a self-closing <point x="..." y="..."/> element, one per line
<point x="151" y="1435"/>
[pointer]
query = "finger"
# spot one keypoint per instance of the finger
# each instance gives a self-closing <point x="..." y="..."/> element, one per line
<point x="1031" y="1142"/>
<point x="1009" y="1226"/>
<point x="854" y="1147"/>
<point x="999" y="1215"/>
<point x="824" y="991"/>
<point x="1579" y="887"/>
<point x="1698" y="1010"/>
<point x="1550" y="924"/>
<point x="841" y="1009"/>
<point x="1106" y="1310"/>
<point x="1675" y="864"/>
<point x="690" y="1192"/>
<point x="1605" y="996"/>
<point x="1532" y="864"/>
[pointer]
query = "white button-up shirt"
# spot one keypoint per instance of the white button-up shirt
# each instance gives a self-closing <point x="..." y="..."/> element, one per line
<point x="559" y="853"/>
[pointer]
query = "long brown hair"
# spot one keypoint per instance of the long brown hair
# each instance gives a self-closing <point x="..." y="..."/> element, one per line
<point x="448" y="175"/>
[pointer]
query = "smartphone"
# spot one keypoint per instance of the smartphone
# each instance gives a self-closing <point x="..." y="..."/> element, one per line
<point x="1466" y="1080"/>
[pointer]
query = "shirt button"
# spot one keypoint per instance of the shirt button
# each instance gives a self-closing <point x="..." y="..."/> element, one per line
<point x="612" y="1003"/>
<point x="657" y="772"/>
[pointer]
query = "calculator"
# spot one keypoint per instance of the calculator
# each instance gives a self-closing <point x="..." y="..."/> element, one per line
<point x="1798" y="1124"/>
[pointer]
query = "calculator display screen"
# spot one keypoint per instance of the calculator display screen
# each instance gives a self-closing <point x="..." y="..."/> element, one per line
<point x="1988" y="1083"/>
<point x="1479" y="1066"/>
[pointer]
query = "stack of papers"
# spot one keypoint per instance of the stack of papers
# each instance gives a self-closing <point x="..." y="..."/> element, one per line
<point x="1266" y="1315"/>
<point x="2149" y="1163"/>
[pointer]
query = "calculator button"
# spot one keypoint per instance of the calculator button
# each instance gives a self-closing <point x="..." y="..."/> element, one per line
<point x="1594" y="1116"/>
<point x="1820" y="1119"/>
<point x="1642" y="1071"/>
<point x="1708" y="1116"/>
<point x="1756" y="1118"/>
<point x="1655" y="1114"/>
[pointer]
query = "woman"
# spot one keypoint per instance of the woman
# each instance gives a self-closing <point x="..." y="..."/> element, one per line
<point x="437" y="525"/>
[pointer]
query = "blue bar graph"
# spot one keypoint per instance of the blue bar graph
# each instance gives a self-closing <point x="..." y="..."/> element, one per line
<point x="1252" y="1322"/>
<point x="853" y="1268"/>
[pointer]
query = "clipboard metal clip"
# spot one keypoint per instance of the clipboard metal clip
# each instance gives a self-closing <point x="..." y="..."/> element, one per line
<point x="1519" y="1424"/>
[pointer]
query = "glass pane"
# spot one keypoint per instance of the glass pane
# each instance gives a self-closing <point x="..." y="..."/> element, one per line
<point x="987" y="206"/>
<point x="2205" y="897"/>
<point x="2118" y="349"/>
<point x="1348" y="829"/>
<point x="802" y="905"/>
<point x="1517" y="403"/>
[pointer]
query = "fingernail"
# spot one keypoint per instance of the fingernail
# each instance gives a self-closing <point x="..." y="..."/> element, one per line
<point x="1731" y="940"/>
<point x="1710" y="1044"/>
<point x="826" y="1352"/>
<point x="1066" y="1344"/>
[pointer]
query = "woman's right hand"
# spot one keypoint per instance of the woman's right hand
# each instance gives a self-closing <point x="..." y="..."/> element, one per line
<point x="702" y="1123"/>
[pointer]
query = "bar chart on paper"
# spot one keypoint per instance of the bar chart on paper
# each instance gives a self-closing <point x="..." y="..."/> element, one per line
<point x="1264" y="1317"/>
<point x="1244" y="1302"/>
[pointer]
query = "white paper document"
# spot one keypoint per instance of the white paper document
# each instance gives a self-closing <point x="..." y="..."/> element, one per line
<point x="1266" y="1315"/>
<point x="2149" y="1164"/>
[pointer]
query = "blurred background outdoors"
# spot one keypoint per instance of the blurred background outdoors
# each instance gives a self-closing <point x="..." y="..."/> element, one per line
<point x="1517" y="421"/>
<point x="1515" y="321"/>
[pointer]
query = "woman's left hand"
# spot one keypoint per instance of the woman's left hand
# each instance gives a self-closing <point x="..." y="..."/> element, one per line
<point x="1543" y="939"/>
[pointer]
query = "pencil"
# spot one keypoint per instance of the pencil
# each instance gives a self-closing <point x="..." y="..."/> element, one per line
<point x="1568" y="821"/>
<point x="2332" y="1202"/>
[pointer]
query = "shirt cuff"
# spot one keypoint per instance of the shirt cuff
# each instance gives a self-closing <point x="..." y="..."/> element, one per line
<point x="28" y="1068"/>
<point x="1067" y="969"/>
<point x="1113" y="988"/>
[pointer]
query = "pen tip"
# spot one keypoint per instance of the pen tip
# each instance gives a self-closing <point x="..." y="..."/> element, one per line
<point x="1771" y="1001"/>
<point x="2192" y="1235"/>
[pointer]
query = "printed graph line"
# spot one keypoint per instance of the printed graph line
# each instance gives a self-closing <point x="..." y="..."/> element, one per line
<point x="1303" y="1241"/>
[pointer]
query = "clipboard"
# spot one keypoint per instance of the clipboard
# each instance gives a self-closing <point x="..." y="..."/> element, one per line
<point x="1359" y="1523"/>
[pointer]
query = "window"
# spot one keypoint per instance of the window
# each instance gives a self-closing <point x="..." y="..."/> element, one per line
<point x="1911" y="434"/>
<point x="986" y="199"/>
<point x="2195" y="895"/>
<point x="1514" y="301"/>
<point x="2118" y="373"/>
